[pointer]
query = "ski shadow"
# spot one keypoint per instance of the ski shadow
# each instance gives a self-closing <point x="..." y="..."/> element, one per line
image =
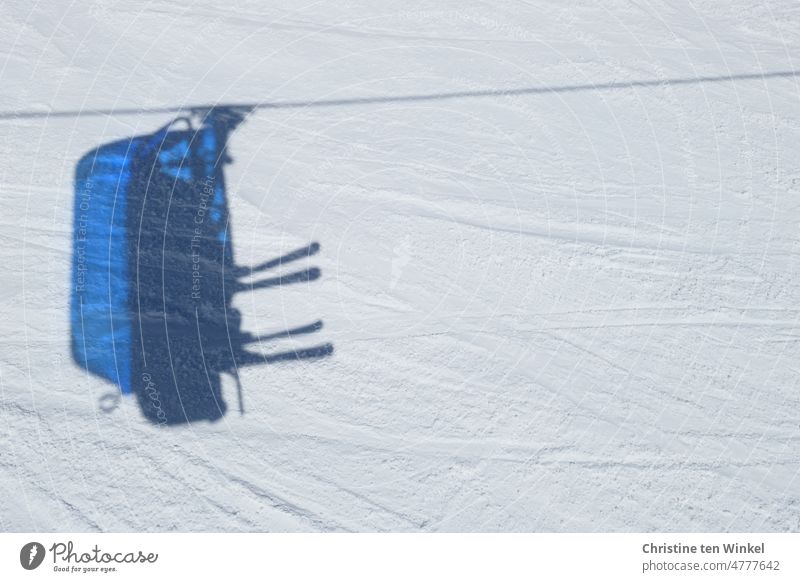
<point x="154" y="276"/>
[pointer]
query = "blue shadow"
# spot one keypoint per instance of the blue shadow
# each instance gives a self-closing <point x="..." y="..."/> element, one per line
<point x="154" y="276"/>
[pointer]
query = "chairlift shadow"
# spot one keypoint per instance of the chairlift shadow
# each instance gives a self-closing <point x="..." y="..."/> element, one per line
<point x="154" y="276"/>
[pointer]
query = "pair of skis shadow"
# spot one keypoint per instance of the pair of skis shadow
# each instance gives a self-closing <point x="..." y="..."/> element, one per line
<point x="301" y="276"/>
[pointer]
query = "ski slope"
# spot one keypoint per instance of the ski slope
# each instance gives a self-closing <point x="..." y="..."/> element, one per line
<point x="558" y="251"/>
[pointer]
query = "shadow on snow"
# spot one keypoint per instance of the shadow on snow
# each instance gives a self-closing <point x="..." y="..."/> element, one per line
<point x="154" y="275"/>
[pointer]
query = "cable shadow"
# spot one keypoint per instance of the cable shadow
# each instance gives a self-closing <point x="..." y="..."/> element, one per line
<point x="154" y="276"/>
<point x="444" y="96"/>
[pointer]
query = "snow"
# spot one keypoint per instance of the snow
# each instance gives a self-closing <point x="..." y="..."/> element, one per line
<point x="572" y="307"/>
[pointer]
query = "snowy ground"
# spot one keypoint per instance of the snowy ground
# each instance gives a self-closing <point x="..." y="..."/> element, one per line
<point x="574" y="308"/>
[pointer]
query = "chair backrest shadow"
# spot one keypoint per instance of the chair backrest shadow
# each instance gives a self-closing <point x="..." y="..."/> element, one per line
<point x="154" y="275"/>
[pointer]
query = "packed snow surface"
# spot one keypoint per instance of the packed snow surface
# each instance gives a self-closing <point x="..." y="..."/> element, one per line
<point x="558" y="255"/>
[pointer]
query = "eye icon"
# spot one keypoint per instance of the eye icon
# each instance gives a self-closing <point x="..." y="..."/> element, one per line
<point x="31" y="555"/>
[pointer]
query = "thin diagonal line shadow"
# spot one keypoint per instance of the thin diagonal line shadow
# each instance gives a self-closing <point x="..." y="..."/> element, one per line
<point x="345" y="102"/>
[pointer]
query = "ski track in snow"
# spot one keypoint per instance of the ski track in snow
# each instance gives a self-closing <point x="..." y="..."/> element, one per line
<point x="566" y="311"/>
